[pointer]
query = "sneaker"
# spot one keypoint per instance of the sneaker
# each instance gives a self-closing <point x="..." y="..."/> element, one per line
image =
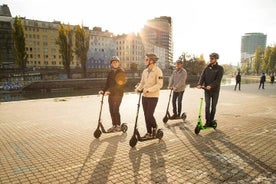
<point x="112" y="129"/>
<point x="174" y="116"/>
<point x="154" y="132"/>
<point x="207" y="124"/>
<point x="117" y="128"/>
<point x="147" y="136"/>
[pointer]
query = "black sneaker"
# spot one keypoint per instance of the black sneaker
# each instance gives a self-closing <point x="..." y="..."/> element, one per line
<point x="207" y="124"/>
<point x="147" y="136"/>
<point x="154" y="132"/>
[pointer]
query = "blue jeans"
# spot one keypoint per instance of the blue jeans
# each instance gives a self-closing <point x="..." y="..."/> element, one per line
<point x="177" y="96"/>
<point x="211" y="100"/>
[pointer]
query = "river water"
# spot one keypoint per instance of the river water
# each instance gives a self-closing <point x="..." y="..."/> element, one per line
<point x="7" y="97"/>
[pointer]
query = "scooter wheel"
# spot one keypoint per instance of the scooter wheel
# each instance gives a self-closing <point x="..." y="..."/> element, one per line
<point x="197" y="130"/>
<point x="159" y="134"/>
<point x="124" y="127"/>
<point x="184" y="116"/>
<point x="165" y="119"/>
<point x="133" y="141"/>
<point x="214" y="124"/>
<point x="97" y="133"/>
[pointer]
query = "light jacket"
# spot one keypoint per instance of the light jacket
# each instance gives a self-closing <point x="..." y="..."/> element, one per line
<point x="178" y="80"/>
<point x="152" y="81"/>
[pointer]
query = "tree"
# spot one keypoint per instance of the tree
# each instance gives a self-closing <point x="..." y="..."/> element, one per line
<point x="258" y="60"/>
<point x="81" y="47"/>
<point x="271" y="63"/>
<point x="64" y="40"/>
<point x="266" y="59"/>
<point x="19" y="44"/>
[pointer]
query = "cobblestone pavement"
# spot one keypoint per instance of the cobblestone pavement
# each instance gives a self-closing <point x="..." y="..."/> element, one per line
<point x="51" y="141"/>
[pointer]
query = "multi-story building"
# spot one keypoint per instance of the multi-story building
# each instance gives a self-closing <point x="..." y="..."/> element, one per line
<point x="102" y="46"/>
<point x="6" y="40"/>
<point x="130" y="50"/>
<point x="41" y="47"/>
<point x="158" y="31"/>
<point x="249" y="43"/>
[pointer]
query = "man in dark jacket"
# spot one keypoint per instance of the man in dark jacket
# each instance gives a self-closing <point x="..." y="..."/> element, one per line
<point x="114" y="87"/>
<point x="238" y="81"/>
<point x="211" y="80"/>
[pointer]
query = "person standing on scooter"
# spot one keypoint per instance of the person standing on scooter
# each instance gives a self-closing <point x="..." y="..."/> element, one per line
<point x="151" y="83"/>
<point x="211" y="79"/>
<point x="177" y="83"/>
<point x="114" y="88"/>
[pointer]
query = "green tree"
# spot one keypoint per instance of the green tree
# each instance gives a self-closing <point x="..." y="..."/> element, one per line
<point x="65" y="42"/>
<point x="258" y="60"/>
<point x="81" y="47"/>
<point x="271" y="64"/>
<point x="19" y="44"/>
<point x="266" y="59"/>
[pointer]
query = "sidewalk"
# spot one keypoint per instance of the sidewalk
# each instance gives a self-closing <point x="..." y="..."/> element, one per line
<point x="51" y="141"/>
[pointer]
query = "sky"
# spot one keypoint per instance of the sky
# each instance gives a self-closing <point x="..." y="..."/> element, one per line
<point x="199" y="26"/>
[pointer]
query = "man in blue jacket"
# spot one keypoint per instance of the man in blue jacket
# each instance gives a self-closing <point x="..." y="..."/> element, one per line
<point x="211" y="80"/>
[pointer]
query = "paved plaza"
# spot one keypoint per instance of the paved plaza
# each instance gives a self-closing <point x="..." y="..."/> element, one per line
<point x="51" y="141"/>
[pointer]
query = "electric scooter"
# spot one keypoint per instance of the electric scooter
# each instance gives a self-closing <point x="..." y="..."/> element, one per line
<point x="200" y="125"/>
<point x="136" y="135"/>
<point x="168" y="116"/>
<point x="100" y="128"/>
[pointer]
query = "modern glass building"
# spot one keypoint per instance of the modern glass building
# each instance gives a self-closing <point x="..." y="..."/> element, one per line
<point x="250" y="42"/>
<point x="6" y="41"/>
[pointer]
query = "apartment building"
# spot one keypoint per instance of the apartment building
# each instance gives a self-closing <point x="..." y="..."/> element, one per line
<point x="158" y="31"/>
<point x="102" y="46"/>
<point x="41" y="47"/>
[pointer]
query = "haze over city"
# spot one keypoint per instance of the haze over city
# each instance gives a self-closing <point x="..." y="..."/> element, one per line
<point x="199" y="26"/>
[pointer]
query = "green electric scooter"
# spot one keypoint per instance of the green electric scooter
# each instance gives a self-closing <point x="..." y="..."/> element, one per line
<point x="200" y="125"/>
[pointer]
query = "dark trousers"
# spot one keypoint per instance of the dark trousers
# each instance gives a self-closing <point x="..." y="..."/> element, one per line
<point x="149" y="105"/>
<point x="238" y="84"/>
<point x="177" y="96"/>
<point x="114" y="105"/>
<point x="211" y="100"/>
<point x="261" y="85"/>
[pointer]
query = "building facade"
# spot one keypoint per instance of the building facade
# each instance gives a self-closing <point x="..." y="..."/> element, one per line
<point x="158" y="31"/>
<point x="249" y="43"/>
<point x="6" y="39"/>
<point x="102" y="46"/>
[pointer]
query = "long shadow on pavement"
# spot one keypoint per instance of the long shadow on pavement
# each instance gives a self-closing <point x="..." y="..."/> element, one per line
<point x="157" y="162"/>
<point x="101" y="172"/>
<point x="231" y="167"/>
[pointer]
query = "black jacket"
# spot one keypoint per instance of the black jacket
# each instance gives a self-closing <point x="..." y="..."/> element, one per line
<point x="211" y="76"/>
<point x="115" y="82"/>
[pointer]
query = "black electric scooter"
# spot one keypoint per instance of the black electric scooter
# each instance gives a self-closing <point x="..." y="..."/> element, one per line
<point x="136" y="135"/>
<point x="100" y="128"/>
<point x="168" y="116"/>
<point x="200" y="125"/>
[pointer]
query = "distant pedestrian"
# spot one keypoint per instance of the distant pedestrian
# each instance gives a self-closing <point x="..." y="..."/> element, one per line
<point x="177" y="83"/>
<point x="114" y="88"/>
<point x="262" y="81"/>
<point x="211" y="79"/>
<point x="238" y="81"/>
<point x="272" y="78"/>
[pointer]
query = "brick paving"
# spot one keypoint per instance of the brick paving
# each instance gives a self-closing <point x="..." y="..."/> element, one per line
<point x="51" y="141"/>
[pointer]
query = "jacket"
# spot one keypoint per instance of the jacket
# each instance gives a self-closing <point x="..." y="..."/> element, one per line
<point x="212" y="76"/>
<point x="152" y="80"/>
<point x="115" y="82"/>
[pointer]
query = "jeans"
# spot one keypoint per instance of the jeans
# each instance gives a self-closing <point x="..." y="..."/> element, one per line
<point x="114" y="105"/>
<point x="211" y="100"/>
<point x="177" y="96"/>
<point x="149" y="105"/>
